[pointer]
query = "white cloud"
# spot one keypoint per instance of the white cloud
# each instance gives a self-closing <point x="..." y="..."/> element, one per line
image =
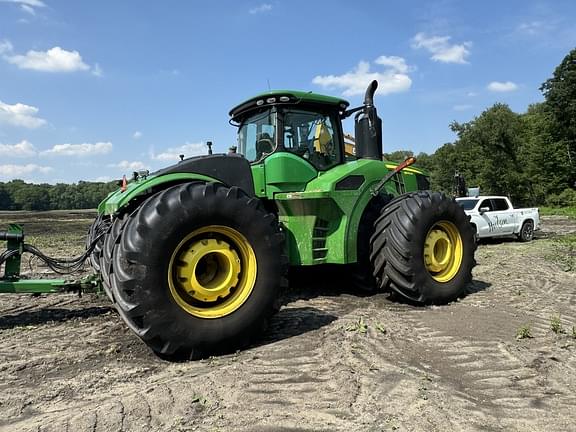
<point x="264" y="7"/>
<point x="19" y="170"/>
<point x="22" y="149"/>
<point x="173" y="153"/>
<point x="84" y="149"/>
<point x="103" y="179"/>
<point x="393" y="79"/>
<point x="501" y="87"/>
<point x="441" y="49"/>
<point x="20" y="115"/>
<point x="31" y="3"/>
<point x="27" y="5"/>
<point x="130" y="166"/>
<point x="137" y="135"/>
<point x="97" y="70"/>
<point x="28" y="9"/>
<point x="54" y="60"/>
<point x="5" y="46"/>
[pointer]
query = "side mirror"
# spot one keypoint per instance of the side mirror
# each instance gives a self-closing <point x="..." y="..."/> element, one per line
<point x="483" y="210"/>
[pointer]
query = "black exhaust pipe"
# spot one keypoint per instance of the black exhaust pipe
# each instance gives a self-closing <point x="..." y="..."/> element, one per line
<point x="368" y="128"/>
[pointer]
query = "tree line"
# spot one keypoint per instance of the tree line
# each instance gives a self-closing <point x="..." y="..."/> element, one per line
<point x="19" y="195"/>
<point x="530" y="157"/>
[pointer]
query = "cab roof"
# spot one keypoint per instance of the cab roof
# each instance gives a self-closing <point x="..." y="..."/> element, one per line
<point x="288" y="97"/>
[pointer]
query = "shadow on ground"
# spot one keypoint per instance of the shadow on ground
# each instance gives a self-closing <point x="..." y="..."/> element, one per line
<point x="49" y="315"/>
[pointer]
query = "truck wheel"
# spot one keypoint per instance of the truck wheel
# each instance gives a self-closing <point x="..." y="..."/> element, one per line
<point x="423" y="248"/>
<point x="527" y="231"/>
<point x="197" y="270"/>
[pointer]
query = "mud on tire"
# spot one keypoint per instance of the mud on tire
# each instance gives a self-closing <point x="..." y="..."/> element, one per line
<point x="423" y="248"/>
<point x="145" y="285"/>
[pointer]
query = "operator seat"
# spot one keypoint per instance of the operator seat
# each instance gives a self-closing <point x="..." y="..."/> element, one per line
<point x="264" y="145"/>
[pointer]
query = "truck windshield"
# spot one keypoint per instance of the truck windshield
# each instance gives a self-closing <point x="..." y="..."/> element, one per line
<point x="467" y="204"/>
<point x="257" y="135"/>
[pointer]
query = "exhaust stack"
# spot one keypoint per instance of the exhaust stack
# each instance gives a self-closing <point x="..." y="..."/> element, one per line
<point x="368" y="127"/>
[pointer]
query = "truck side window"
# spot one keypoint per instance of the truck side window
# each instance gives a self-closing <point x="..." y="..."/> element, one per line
<point x="487" y="203"/>
<point x="499" y="204"/>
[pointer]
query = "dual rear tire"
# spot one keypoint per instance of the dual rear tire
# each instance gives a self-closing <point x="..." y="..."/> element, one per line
<point x="196" y="269"/>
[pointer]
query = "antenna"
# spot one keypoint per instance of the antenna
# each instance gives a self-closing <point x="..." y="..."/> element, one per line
<point x="268" y="81"/>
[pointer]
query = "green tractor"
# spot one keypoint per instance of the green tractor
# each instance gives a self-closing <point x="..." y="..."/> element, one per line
<point x="194" y="255"/>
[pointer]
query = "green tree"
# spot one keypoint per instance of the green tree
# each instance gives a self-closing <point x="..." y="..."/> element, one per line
<point x="560" y="94"/>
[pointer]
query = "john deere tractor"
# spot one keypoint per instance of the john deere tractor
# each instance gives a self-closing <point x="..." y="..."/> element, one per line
<point x="194" y="255"/>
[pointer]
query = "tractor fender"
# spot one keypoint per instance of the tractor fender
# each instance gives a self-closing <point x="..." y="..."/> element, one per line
<point x="365" y="204"/>
<point x="143" y="188"/>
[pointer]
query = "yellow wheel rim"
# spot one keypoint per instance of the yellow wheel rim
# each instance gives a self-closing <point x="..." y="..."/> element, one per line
<point x="443" y="251"/>
<point x="212" y="271"/>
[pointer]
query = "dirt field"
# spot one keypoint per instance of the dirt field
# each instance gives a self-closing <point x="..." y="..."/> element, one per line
<point x="331" y="361"/>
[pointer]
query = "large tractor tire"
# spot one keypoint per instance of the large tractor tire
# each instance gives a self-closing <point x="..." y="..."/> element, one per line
<point x="423" y="248"/>
<point x="197" y="270"/>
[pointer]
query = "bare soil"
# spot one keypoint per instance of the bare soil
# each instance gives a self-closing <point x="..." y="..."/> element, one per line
<point x="332" y="360"/>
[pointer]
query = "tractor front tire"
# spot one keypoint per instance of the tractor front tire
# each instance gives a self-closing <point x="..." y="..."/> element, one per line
<point x="197" y="270"/>
<point x="423" y="248"/>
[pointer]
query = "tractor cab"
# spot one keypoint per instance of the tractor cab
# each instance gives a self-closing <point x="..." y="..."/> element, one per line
<point x="303" y="124"/>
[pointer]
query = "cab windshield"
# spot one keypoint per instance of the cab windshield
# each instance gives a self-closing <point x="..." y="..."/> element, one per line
<point x="257" y="135"/>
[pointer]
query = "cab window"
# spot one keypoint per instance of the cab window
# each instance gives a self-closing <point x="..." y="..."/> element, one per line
<point x="257" y="136"/>
<point x="487" y="203"/>
<point x="311" y="135"/>
<point x="499" y="204"/>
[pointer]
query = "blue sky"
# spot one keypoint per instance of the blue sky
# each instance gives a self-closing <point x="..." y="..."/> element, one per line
<point x="93" y="90"/>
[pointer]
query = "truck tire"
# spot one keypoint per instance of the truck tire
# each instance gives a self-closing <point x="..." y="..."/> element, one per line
<point x="527" y="231"/>
<point x="423" y="248"/>
<point x="197" y="270"/>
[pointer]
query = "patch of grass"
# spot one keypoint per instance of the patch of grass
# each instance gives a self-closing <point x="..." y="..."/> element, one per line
<point x="380" y="328"/>
<point x="524" y="332"/>
<point x="558" y="211"/>
<point x="556" y="324"/>
<point x="358" y="326"/>
<point x="564" y="252"/>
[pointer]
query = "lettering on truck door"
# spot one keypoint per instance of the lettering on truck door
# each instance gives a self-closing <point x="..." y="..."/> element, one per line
<point x="502" y="216"/>
<point x="486" y="229"/>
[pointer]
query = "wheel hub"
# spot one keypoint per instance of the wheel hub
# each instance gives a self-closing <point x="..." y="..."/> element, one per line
<point x="437" y="251"/>
<point x="443" y="251"/>
<point x="208" y="269"/>
<point x="212" y="271"/>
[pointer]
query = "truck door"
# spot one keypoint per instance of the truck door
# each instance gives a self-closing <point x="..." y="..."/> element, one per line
<point x="485" y="229"/>
<point x="502" y="216"/>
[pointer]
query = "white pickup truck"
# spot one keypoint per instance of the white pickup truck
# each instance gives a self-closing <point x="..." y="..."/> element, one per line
<point x="494" y="216"/>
